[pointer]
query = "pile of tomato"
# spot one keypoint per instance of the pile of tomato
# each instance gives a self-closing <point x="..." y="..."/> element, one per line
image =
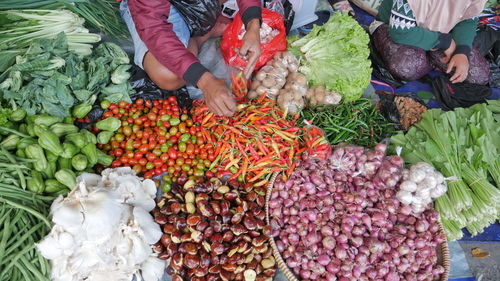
<point x="157" y="137"/>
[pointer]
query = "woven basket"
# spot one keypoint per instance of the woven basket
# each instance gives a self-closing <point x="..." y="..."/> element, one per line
<point x="443" y="252"/>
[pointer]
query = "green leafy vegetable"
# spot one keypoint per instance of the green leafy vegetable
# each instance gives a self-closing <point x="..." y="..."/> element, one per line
<point x="336" y="55"/>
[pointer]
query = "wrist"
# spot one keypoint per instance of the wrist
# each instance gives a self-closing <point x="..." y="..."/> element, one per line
<point x="253" y="25"/>
<point x="463" y="49"/>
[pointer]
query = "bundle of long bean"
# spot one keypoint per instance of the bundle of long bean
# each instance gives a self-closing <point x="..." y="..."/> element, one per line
<point x="357" y="123"/>
<point x="254" y="143"/>
<point x="23" y="222"/>
<point x="100" y="14"/>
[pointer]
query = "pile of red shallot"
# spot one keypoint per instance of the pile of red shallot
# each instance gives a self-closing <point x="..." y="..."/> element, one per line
<point x="339" y="219"/>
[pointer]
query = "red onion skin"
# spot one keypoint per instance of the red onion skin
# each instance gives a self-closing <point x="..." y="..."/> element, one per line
<point x="305" y="274"/>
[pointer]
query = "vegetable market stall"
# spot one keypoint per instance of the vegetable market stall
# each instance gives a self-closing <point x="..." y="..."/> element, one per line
<point x="150" y="188"/>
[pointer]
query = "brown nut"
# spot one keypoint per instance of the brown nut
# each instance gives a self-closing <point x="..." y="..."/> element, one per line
<point x="175" y="207"/>
<point x="217" y="226"/>
<point x="158" y="247"/>
<point x="196" y="236"/>
<point x="214" y="259"/>
<point x="165" y="240"/>
<point x="231" y="196"/>
<point x="177" y="277"/>
<point x="180" y="223"/>
<point x="268" y="263"/>
<point x="240" y="259"/>
<point x="217" y="196"/>
<point x="227" y="236"/>
<point x="259" y="214"/>
<point x="266" y="230"/>
<point x="217" y="248"/>
<point x="216" y="207"/>
<point x="223" y="189"/>
<point x="253" y="264"/>
<point x="190" y="208"/>
<point x="170" y="271"/>
<point x="248" y="258"/>
<point x="223" y="259"/>
<point x="238" y="274"/>
<point x="172" y="249"/>
<point x="224" y="207"/>
<point x="259" y="269"/>
<point x="232" y="250"/>
<point x="192" y="261"/>
<point x="168" y="228"/>
<point x="248" y="251"/>
<point x="189" y="197"/>
<point x="267" y="253"/>
<point x="182" y="248"/>
<point x="229" y="267"/>
<point x="161" y="219"/>
<point x="242" y="246"/>
<point x="216" y="238"/>
<point x="202" y="226"/>
<point x="238" y="229"/>
<point x="176" y="261"/>
<point x="206" y="246"/>
<point x="161" y="202"/>
<point x="246" y="238"/>
<point x="237" y="218"/>
<point x="213" y="277"/>
<point x="254" y="233"/>
<point x="176" y="237"/>
<point x="186" y="237"/>
<point x="261" y="249"/>
<point x="204" y="208"/>
<point x="214" y="269"/>
<point x="163" y="256"/>
<point x="258" y="258"/>
<point x="270" y="272"/>
<point x="201" y="196"/>
<point x="251" y="196"/>
<point x="258" y="241"/>
<point x="209" y="231"/>
<point x="249" y="222"/>
<point x="191" y="248"/>
<point x="165" y="210"/>
<point x="204" y="258"/>
<point x="225" y="275"/>
<point x="197" y="278"/>
<point x="193" y="219"/>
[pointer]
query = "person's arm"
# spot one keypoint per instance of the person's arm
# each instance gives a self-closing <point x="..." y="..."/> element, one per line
<point x="251" y="14"/>
<point x="150" y="18"/>
<point x="463" y="33"/>
<point x="250" y="9"/>
<point x="403" y="29"/>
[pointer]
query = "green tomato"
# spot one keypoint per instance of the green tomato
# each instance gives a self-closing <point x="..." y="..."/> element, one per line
<point x="173" y="131"/>
<point x="182" y="147"/>
<point x="186" y="168"/>
<point x="199" y="173"/>
<point x="166" y="187"/>
<point x="241" y="178"/>
<point x="174" y="121"/>
<point x="165" y="117"/>
<point x="167" y="178"/>
<point x="185" y="137"/>
<point x="150" y="165"/>
<point x="105" y="104"/>
<point x="164" y="148"/>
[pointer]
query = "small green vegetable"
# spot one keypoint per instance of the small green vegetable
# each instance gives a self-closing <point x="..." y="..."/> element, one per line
<point x="64" y="163"/>
<point x="53" y="186"/>
<point x="69" y="150"/>
<point x="109" y="124"/>
<point x="49" y="141"/>
<point x="21" y="153"/>
<point x="62" y="129"/>
<point x="79" y="162"/>
<point x="103" y="158"/>
<point x="35" y="152"/>
<point x="23" y="143"/>
<point x="39" y="129"/>
<point x="10" y="142"/>
<point x="35" y="183"/>
<point x="121" y="74"/>
<point x="81" y="110"/>
<point x="46" y="120"/>
<point x="18" y="115"/>
<point x="91" y="138"/>
<point x="30" y="128"/>
<point x="48" y="173"/>
<point x="104" y="137"/>
<point x="90" y="151"/>
<point x="66" y="177"/>
<point x="51" y="157"/>
<point x="77" y="139"/>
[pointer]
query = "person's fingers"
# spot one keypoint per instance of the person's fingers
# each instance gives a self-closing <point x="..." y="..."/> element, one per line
<point x="214" y="107"/>
<point x="250" y="66"/>
<point x="230" y="103"/>
<point x="450" y="66"/>
<point x="243" y="51"/>
<point x="455" y="77"/>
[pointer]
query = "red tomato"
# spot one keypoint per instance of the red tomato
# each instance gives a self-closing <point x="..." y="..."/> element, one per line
<point x="148" y="174"/>
<point x="164" y="168"/>
<point x="118" y="152"/>
<point x="137" y="155"/>
<point x="137" y="168"/>
<point x="132" y="162"/>
<point x="152" y="144"/>
<point x="129" y="154"/>
<point x="151" y="157"/>
<point x="172" y="99"/>
<point x="172" y="153"/>
<point x="139" y="102"/>
<point x="107" y="114"/>
<point x="143" y="161"/>
<point x="158" y="162"/>
<point x="211" y="157"/>
<point x="116" y="164"/>
<point x="144" y="149"/>
<point x="164" y="157"/>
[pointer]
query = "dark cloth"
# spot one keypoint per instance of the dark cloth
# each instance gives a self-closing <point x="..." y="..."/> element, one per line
<point x="412" y="63"/>
<point x="451" y="96"/>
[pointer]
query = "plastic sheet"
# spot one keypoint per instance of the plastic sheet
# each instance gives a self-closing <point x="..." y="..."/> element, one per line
<point x="200" y="15"/>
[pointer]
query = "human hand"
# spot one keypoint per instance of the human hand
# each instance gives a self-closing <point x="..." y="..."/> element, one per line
<point x="217" y="96"/>
<point x="461" y="64"/>
<point x="250" y="48"/>
<point x="449" y="52"/>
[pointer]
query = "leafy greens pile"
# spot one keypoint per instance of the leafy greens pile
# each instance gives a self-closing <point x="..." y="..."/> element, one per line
<point x="51" y="78"/>
<point x="336" y="55"/>
<point x="463" y="144"/>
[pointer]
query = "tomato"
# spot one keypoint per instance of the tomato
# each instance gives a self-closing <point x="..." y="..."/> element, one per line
<point x="173" y="140"/>
<point x="162" y="140"/>
<point x="137" y="144"/>
<point x="152" y="144"/>
<point x="144" y="149"/>
<point x="164" y="168"/>
<point x="177" y="168"/>
<point x="115" y="110"/>
<point x="124" y="160"/>
<point x="164" y="148"/>
<point x="157" y="152"/>
<point x="166" y="187"/>
<point x="179" y="161"/>
<point x="148" y="175"/>
<point x="182" y="127"/>
<point x="119" y="137"/>
<point x="184" y="117"/>
<point x="184" y="138"/>
<point x="174" y="121"/>
<point x="143" y="161"/>
<point x="127" y="130"/>
<point x="150" y="157"/>
<point x="105" y="104"/>
<point x="138" y="121"/>
<point x="165" y="117"/>
<point x="152" y="116"/>
<point x="172" y="153"/>
<point x="158" y="162"/>
<point x="158" y="171"/>
<point x="207" y="163"/>
<point x="164" y="157"/>
<point x="199" y="173"/>
<point x="186" y="167"/>
<point x="123" y="144"/>
<point x="173" y="131"/>
<point x="203" y="155"/>
<point x="148" y="104"/>
<point x="150" y="165"/>
<point x="129" y="154"/>
<point x="211" y="157"/>
<point x="139" y="102"/>
<point x="172" y="99"/>
<point x="190" y="149"/>
<point x="137" y="168"/>
<point x="107" y="114"/>
<point x="209" y="174"/>
<point x="182" y="147"/>
<point x="171" y="170"/>
<point x="189" y="123"/>
<point x="118" y="152"/>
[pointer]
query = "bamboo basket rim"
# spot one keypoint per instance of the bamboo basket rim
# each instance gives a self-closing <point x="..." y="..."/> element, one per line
<point x="443" y="251"/>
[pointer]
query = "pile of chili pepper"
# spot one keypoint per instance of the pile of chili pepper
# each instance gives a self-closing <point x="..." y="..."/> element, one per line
<point x="254" y="143"/>
<point x="316" y="143"/>
<point x="239" y="85"/>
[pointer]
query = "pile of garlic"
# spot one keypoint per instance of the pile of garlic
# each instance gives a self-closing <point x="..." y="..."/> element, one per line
<point x="421" y="184"/>
<point x="103" y="230"/>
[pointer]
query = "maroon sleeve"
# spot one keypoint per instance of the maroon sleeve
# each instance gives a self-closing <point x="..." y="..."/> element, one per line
<point x="250" y="9"/>
<point x="150" y="18"/>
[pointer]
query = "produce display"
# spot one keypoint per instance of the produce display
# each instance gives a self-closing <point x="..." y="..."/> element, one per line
<point x="318" y="95"/>
<point x="23" y="221"/>
<point x="410" y="111"/>
<point x="339" y="219"/>
<point x="103" y="230"/>
<point x="154" y="137"/>
<point x="49" y="77"/>
<point x="462" y="144"/>
<point x="421" y="184"/>
<point x="357" y="123"/>
<point x="21" y="27"/>
<point x="56" y="151"/>
<point x="257" y="141"/>
<point x="335" y="55"/>
<point x="267" y="33"/>
<point x="215" y="231"/>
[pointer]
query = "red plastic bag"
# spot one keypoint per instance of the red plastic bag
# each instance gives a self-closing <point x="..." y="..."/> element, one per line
<point x="230" y="41"/>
